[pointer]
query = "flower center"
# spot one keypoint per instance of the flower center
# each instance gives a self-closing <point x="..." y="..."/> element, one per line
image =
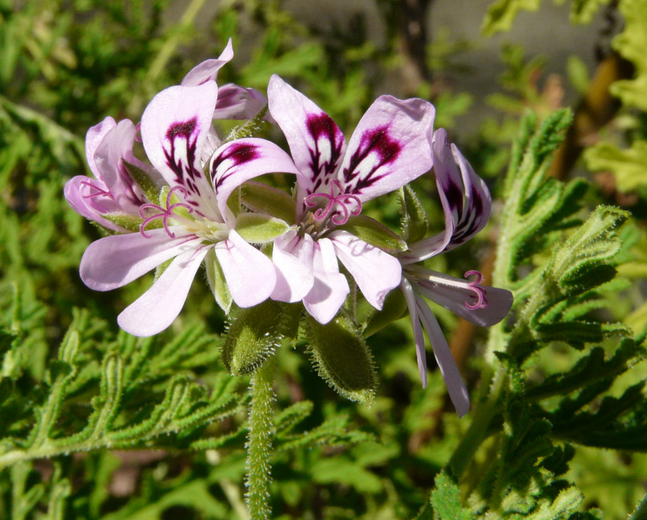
<point x="338" y="208"/>
<point x="150" y="212"/>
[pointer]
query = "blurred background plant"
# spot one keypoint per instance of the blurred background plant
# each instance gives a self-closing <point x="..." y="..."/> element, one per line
<point x="96" y="424"/>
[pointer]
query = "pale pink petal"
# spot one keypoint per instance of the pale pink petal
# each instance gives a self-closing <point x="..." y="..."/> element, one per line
<point x="93" y="139"/>
<point x="375" y="271"/>
<point x="292" y="256"/>
<point x="175" y="127"/>
<point x="115" y="261"/>
<point x="208" y="70"/>
<point x="330" y="287"/>
<point x="446" y="362"/>
<point x="389" y="148"/>
<point x="250" y="275"/>
<point x="238" y="161"/>
<point x="421" y="352"/>
<point x="235" y="102"/>
<point x="316" y="142"/>
<point x="158" y="307"/>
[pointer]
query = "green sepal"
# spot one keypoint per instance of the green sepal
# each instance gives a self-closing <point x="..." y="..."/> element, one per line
<point x="342" y="357"/>
<point x="148" y="186"/>
<point x="217" y="282"/>
<point x="373" y="232"/>
<point x="253" y="336"/>
<point x="260" y="229"/>
<point x="394" y="308"/>
<point x="414" y="220"/>
<point x="251" y="128"/>
<point x="130" y="222"/>
<point x="261" y="198"/>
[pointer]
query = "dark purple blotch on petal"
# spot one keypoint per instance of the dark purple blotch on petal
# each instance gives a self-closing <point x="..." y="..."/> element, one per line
<point x="375" y="141"/>
<point x="322" y="125"/>
<point x="185" y="174"/>
<point x="237" y="153"/>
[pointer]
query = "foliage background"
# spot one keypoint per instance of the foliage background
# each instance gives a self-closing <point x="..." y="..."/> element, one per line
<point x="95" y="424"/>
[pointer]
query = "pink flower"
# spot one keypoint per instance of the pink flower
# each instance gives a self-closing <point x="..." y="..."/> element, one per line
<point x="388" y="149"/>
<point x="466" y="203"/>
<point x="191" y="220"/>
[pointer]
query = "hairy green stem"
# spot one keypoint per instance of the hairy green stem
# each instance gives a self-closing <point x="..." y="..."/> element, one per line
<point x="259" y="444"/>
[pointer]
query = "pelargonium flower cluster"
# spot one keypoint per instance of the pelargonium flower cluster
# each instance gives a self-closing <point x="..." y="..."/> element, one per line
<point x="182" y="208"/>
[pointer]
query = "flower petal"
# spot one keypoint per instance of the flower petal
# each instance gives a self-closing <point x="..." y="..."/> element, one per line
<point x="421" y="352"/>
<point x="330" y="287"/>
<point x="292" y="257"/>
<point x="235" y="102"/>
<point x="250" y="275"/>
<point x="115" y="261"/>
<point x="93" y="139"/>
<point x="316" y="142"/>
<point x="389" y="147"/>
<point x="446" y="362"/>
<point x="453" y="297"/>
<point x="90" y="198"/>
<point x="208" y="70"/>
<point x="375" y="271"/>
<point x="238" y="161"/>
<point x="158" y="307"/>
<point x="175" y="126"/>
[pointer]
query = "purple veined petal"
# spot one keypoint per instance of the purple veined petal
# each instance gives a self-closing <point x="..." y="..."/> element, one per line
<point x="175" y="127"/>
<point x="116" y="146"/>
<point x="250" y="275"/>
<point x="93" y="139"/>
<point x="158" y="307"/>
<point x="292" y="257"/>
<point x="208" y="70"/>
<point x="235" y="102"/>
<point x="446" y="362"/>
<point x="115" y="261"/>
<point x="389" y="148"/>
<point x="330" y="287"/>
<point x="316" y="142"/>
<point x="241" y="160"/>
<point x="478" y="203"/>
<point x="90" y="198"/>
<point x="375" y="271"/>
<point x="451" y="293"/>
<point x="419" y="338"/>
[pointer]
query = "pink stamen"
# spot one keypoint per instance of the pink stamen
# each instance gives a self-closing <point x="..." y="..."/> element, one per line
<point x="478" y="291"/>
<point x="97" y="193"/>
<point x="336" y="206"/>
<point x="164" y="214"/>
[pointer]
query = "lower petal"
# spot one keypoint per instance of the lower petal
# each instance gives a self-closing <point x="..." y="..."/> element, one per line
<point x="158" y="307"/>
<point x="294" y="278"/>
<point x="421" y="352"/>
<point x="115" y="261"/>
<point x="330" y="287"/>
<point x="375" y="271"/>
<point x="250" y="275"/>
<point x="446" y="362"/>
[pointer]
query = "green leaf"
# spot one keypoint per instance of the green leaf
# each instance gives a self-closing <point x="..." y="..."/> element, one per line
<point x="502" y="14"/>
<point x="261" y="198"/>
<point x="445" y="499"/>
<point x="414" y="221"/>
<point x="260" y="229"/>
<point x="629" y="166"/>
<point x="342" y="357"/>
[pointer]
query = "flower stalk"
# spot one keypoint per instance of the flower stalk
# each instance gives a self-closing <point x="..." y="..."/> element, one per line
<point x="259" y="443"/>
